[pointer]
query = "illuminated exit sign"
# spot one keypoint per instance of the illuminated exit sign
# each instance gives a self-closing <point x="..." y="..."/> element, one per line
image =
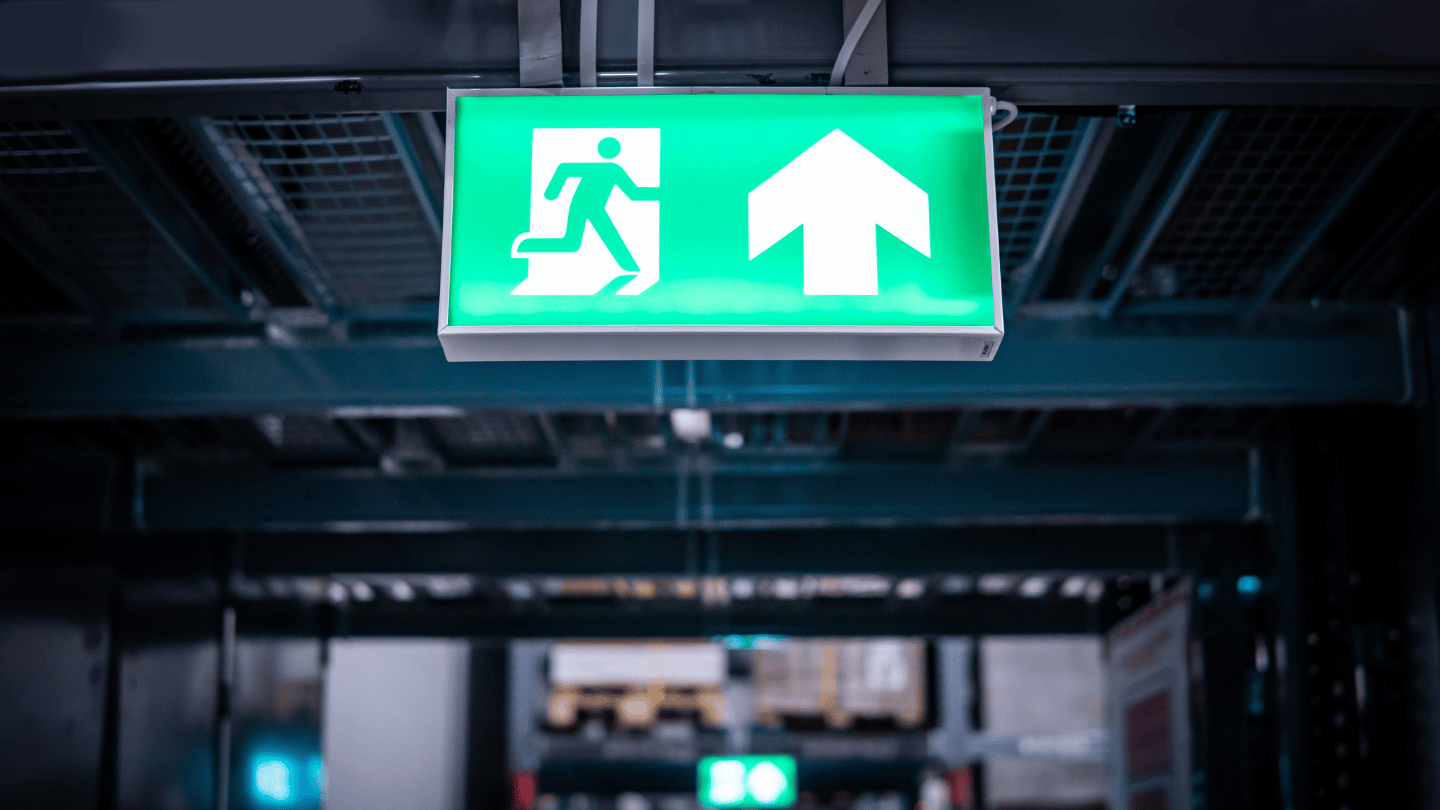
<point x="806" y="223"/>
<point x="750" y="781"/>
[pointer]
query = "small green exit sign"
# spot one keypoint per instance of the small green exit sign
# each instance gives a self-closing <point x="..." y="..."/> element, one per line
<point x="748" y="781"/>
<point x="720" y="223"/>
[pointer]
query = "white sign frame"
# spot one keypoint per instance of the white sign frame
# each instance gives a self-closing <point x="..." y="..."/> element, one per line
<point x="710" y="341"/>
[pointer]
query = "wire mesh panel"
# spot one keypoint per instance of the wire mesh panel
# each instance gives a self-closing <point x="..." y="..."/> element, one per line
<point x="115" y="252"/>
<point x="1032" y="158"/>
<point x="1263" y="185"/>
<point x="307" y="438"/>
<point x="482" y="432"/>
<point x="346" y="190"/>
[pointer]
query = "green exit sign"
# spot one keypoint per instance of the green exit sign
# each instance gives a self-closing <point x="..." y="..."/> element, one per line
<point x="750" y="781"/>
<point x="807" y="223"/>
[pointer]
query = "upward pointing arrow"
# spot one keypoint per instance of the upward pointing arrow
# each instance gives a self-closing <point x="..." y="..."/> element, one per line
<point x="839" y="192"/>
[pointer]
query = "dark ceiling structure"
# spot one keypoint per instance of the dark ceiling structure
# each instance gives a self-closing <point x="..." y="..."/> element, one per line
<point x="221" y="277"/>
<point x="221" y="274"/>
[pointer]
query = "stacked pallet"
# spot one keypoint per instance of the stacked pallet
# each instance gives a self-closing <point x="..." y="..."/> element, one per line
<point x="635" y="683"/>
<point x="838" y="681"/>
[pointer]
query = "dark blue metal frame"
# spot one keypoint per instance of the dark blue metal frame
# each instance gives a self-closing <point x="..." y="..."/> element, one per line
<point x="1041" y="370"/>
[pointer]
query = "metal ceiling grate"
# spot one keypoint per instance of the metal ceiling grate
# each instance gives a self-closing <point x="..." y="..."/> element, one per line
<point x="124" y="261"/>
<point x="308" y="437"/>
<point x="1264" y="183"/>
<point x="210" y="194"/>
<point x="346" y="187"/>
<point x="481" y="431"/>
<point x="1032" y="158"/>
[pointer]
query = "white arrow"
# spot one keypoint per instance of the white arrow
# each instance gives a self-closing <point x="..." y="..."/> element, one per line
<point x="839" y="192"/>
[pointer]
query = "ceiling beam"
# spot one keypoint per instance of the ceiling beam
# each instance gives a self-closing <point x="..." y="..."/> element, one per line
<point x="724" y="498"/>
<point x="899" y="551"/>
<point x="1029" y="85"/>
<point x="965" y="616"/>
<point x="249" y="375"/>
<point x="227" y="57"/>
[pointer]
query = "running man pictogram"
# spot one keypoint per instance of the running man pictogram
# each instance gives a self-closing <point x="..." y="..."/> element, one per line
<point x="597" y="181"/>
<point x="594" y="218"/>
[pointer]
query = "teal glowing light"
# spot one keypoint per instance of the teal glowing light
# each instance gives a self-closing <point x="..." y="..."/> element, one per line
<point x="279" y="767"/>
<point x="1248" y="585"/>
<point x="737" y="642"/>
<point x="273" y="780"/>
<point x="316" y="769"/>
<point x="281" y="780"/>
